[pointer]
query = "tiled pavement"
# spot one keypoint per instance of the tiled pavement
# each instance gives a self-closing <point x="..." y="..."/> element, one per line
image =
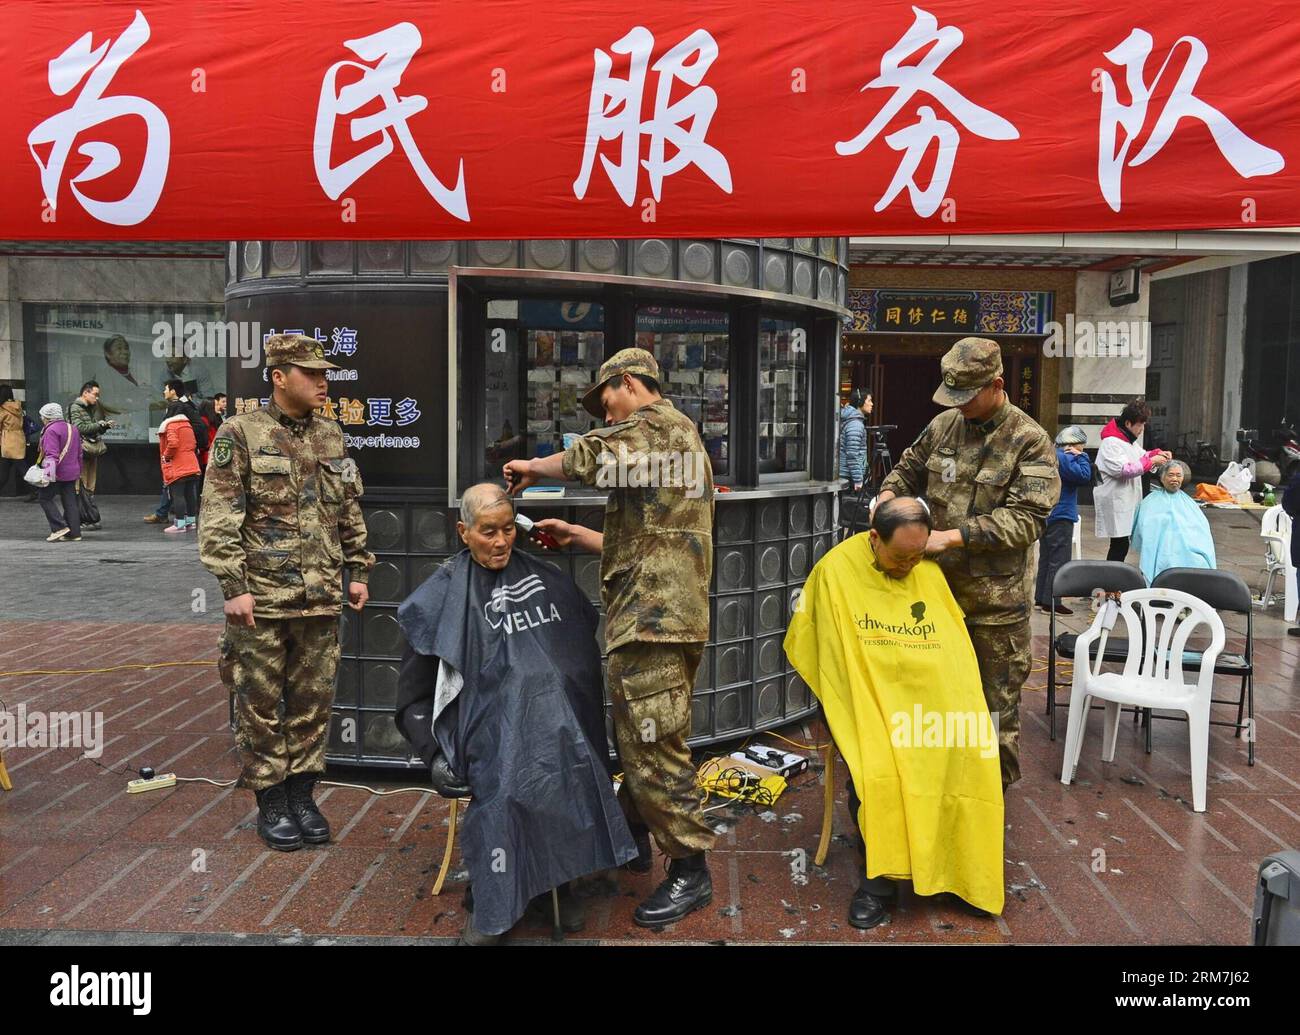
<point x="80" y="855"/>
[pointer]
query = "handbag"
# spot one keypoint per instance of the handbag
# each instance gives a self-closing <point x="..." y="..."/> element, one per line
<point x="93" y="447"/>
<point x="36" y="473"/>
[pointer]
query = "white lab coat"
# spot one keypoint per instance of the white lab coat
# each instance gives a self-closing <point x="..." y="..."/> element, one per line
<point x="1115" y="500"/>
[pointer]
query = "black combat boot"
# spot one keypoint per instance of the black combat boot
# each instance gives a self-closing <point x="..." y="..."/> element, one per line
<point x="315" y="828"/>
<point x="275" y="823"/>
<point x="644" y="852"/>
<point x="688" y="887"/>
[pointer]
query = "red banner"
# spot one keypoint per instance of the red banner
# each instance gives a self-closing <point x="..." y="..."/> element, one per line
<point x="577" y="118"/>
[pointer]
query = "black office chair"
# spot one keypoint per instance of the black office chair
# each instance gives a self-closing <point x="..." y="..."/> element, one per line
<point x="1080" y="579"/>
<point x="1223" y="591"/>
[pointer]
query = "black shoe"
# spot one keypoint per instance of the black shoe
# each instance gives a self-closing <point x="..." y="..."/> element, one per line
<point x="1061" y="609"/>
<point x="573" y="914"/>
<point x="959" y="903"/>
<point x="687" y="888"/>
<point x="275" y="823"/>
<point x="644" y="852"/>
<point x="1294" y="631"/>
<point x="868" y="910"/>
<point x="315" y="828"/>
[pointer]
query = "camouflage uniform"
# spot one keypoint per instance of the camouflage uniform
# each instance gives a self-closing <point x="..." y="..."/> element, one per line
<point x="655" y="568"/>
<point x="996" y="481"/>
<point x="281" y="518"/>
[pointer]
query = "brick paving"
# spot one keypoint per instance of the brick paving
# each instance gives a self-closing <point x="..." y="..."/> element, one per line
<point x="83" y="861"/>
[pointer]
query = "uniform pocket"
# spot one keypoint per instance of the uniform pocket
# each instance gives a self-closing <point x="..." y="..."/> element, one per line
<point x="330" y="476"/>
<point x="991" y="489"/>
<point x="266" y="560"/>
<point x="648" y="681"/>
<point x="270" y="481"/>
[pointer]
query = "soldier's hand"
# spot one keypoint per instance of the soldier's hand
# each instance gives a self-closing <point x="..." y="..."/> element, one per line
<point x="939" y="541"/>
<point x="358" y="594"/>
<point x="519" y="475"/>
<point x="560" y="531"/>
<point x="239" y="610"/>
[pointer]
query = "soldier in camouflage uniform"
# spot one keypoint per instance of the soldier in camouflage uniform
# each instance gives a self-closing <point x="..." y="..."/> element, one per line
<point x="989" y="474"/>
<point x="281" y="518"/>
<point x="655" y="565"/>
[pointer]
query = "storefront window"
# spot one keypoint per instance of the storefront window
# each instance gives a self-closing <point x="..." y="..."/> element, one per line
<point x="782" y="397"/>
<point x="542" y="357"/>
<point x="693" y="349"/>
<point x="131" y="351"/>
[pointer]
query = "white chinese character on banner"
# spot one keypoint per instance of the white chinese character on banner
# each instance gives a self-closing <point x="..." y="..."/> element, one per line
<point x="906" y="80"/>
<point x="614" y="113"/>
<point x="393" y="49"/>
<point x="380" y="412"/>
<point x="1246" y="156"/>
<point x="89" y="110"/>
<point x="345" y="341"/>
<point x="408" y="412"/>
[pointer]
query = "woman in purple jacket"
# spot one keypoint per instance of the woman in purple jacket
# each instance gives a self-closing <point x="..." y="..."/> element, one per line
<point x="61" y="459"/>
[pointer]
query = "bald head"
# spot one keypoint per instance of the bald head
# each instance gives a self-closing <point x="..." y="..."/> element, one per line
<point x="897" y="513"/>
<point x="900" y="530"/>
<point x="482" y="497"/>
<point x="487" y="524"/>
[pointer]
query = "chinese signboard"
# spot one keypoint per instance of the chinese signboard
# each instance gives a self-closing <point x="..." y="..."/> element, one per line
<point x="946" y="312"/>
<point x="390" y="401"/>
<point x="719" y="118"/>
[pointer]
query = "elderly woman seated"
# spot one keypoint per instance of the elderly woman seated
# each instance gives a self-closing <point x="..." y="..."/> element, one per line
<point x="500" y="693"/>
<point x="1170" y="531"/>
<point x="881" y="641"/>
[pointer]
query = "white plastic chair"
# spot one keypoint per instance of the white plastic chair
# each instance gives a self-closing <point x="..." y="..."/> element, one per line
<point x="1159" y="623"/>
<point x="1275" y="529"/>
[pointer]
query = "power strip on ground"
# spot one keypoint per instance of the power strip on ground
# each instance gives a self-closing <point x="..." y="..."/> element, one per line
<point x="154" y="783"/>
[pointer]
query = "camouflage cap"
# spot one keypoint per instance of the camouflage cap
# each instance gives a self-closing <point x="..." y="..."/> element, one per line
<point x="967" y="367"/>
<point x="625" y="361"/>
<point x="297" y="350"/>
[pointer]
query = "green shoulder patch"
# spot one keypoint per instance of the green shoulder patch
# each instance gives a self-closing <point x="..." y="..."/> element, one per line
<point x="222" y="452"/>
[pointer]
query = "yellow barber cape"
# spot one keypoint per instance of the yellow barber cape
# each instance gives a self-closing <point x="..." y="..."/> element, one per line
<point x="893" y="666"/>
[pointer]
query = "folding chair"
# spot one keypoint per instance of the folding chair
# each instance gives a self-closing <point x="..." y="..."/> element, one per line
<point x="1079" y="579"/>
<point x="1223" y="591"/>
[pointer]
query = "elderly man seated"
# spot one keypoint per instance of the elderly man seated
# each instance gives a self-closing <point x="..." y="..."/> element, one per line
<point x="881" y="641"/>
<point x="500" y="692"/>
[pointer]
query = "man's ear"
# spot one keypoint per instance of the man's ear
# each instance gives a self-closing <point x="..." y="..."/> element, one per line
<point x="461" y="530"/>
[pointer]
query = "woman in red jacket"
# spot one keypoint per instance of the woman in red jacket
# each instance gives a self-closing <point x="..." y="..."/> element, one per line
<point x="180" y="466"/>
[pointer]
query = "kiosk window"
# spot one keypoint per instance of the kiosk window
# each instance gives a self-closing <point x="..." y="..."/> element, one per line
<point x="541" y="357"/>
<point x="782" y="397"/>
<point x="693" y="349"/>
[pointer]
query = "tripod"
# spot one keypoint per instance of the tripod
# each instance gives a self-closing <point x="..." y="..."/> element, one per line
<point x="882" y="461"/>
<point x="879" y="463"/>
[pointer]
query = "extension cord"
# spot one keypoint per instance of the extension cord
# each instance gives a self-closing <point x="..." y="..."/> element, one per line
<point x="152" y="784"/>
